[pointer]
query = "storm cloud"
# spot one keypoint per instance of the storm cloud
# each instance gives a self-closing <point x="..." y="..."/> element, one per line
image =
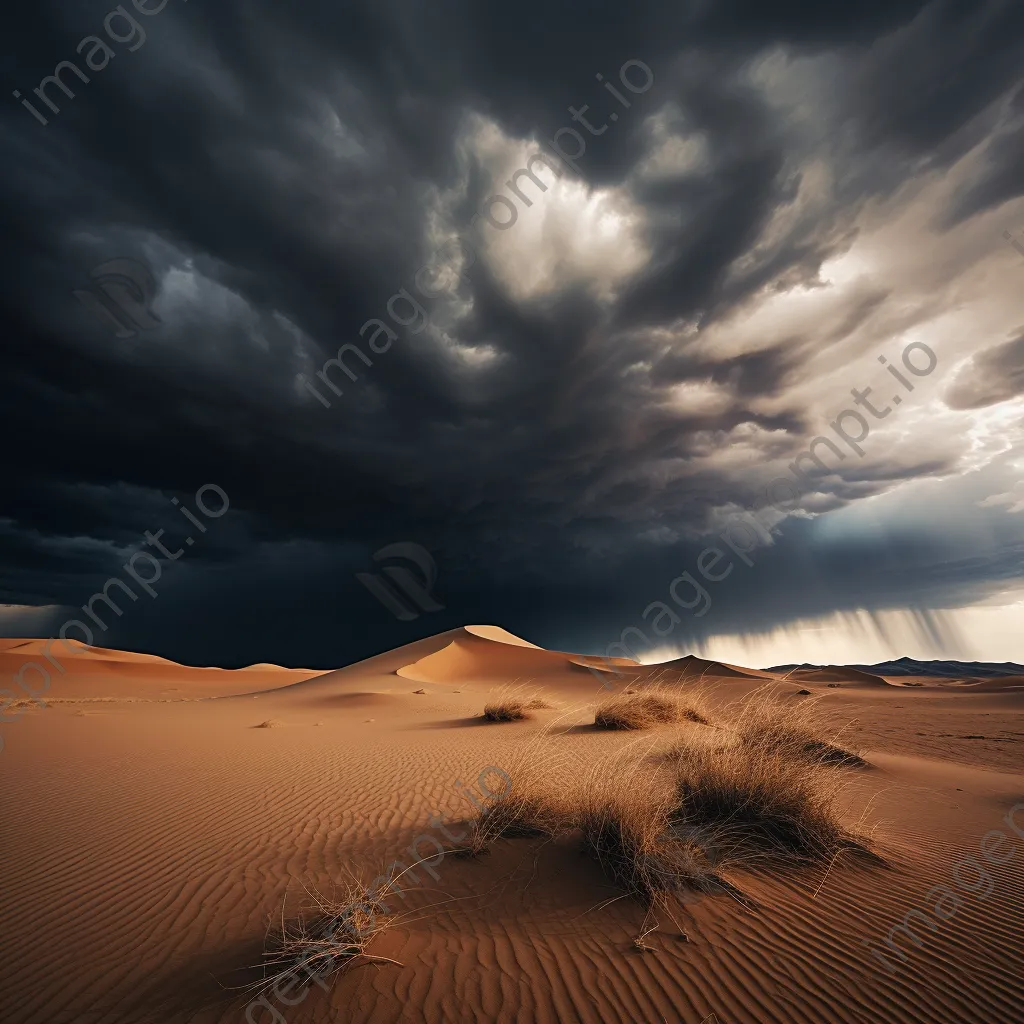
<point x="994" y="375"/>
<point x="801" y="191"/>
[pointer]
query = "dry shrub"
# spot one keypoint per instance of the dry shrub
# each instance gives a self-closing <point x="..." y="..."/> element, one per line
<point x="329" y="937"/>
<point x="520" y="813"/>
<point x="662" y="827"/>
<point x="514" y="704"/>
<point x="620" y="809"/>
<point x="626" y="826"/>
<point x="768" y="721"/>
<point x="749" y="800"/>
<point x="537" y="803"/>
<point x="650" y="706"/>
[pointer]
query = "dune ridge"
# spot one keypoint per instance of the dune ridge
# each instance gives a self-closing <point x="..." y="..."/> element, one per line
<point x="836" y="674"/>
<point x="71" y="669"/>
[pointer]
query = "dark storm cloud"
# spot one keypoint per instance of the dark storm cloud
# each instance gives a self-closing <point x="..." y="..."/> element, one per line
<point x="925" y="82"/>
<point x="999" y="179"/>
<point x="278" y="167"/>
<point x="994" y="375"/>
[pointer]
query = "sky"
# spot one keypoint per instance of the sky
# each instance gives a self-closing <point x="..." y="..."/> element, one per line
<point x="556" y="402"/>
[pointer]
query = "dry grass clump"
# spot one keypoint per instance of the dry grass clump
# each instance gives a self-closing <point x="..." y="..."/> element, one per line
<point x="624" y="816"/>
<point x="536" y="803"/>
<point x="514" y="704"/>
<point x="332" y="937"/>
<point x="650" y="706"/>
<point x="628" y="831"/>
<point x="621" y="811"/>
<point x="768" y="721"/>
<point x="749" y="800"/>
<point x="664" y="827"/>
<point x="522" y="812"/>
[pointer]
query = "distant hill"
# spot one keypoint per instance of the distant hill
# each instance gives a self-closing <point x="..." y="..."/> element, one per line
<point x="937" y="669"/>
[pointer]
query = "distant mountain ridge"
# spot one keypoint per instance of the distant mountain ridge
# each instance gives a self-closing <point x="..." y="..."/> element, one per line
<point x="937" y="669"/>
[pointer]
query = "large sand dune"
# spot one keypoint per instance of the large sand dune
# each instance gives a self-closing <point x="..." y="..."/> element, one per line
<point x="146" y="842"/>
<point x="482" y="654"/>
<point x="691" y="666"/>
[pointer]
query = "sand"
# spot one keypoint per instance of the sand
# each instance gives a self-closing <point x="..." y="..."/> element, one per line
<point x="150" y="831"/>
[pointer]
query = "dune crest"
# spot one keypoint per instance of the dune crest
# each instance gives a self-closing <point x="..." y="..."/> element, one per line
<point x="70" y="669"/>
<point x="490" y="654"/>
<point x="691" y="665"/>
<point x="501" y="636"/>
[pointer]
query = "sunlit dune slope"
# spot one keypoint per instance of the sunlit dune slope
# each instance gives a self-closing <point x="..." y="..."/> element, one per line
<point x="77" y="671"/>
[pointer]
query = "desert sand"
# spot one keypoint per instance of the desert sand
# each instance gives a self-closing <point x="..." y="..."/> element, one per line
<point x="158" y="820"/>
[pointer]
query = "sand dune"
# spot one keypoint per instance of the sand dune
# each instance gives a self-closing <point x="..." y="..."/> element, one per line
<point x="78" y="671"/>
<point x="75" y="650"/>
<point x="499" y="635"/>
<point x="837" y="674"/>
<point x="487" y="655"/>
<point x="995" y="685"/>
<point x="158" y="839"/>
<point x="690" y="665"/>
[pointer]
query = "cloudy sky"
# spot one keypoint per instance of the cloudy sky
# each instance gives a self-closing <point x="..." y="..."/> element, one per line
<point x="595" y="390"/>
